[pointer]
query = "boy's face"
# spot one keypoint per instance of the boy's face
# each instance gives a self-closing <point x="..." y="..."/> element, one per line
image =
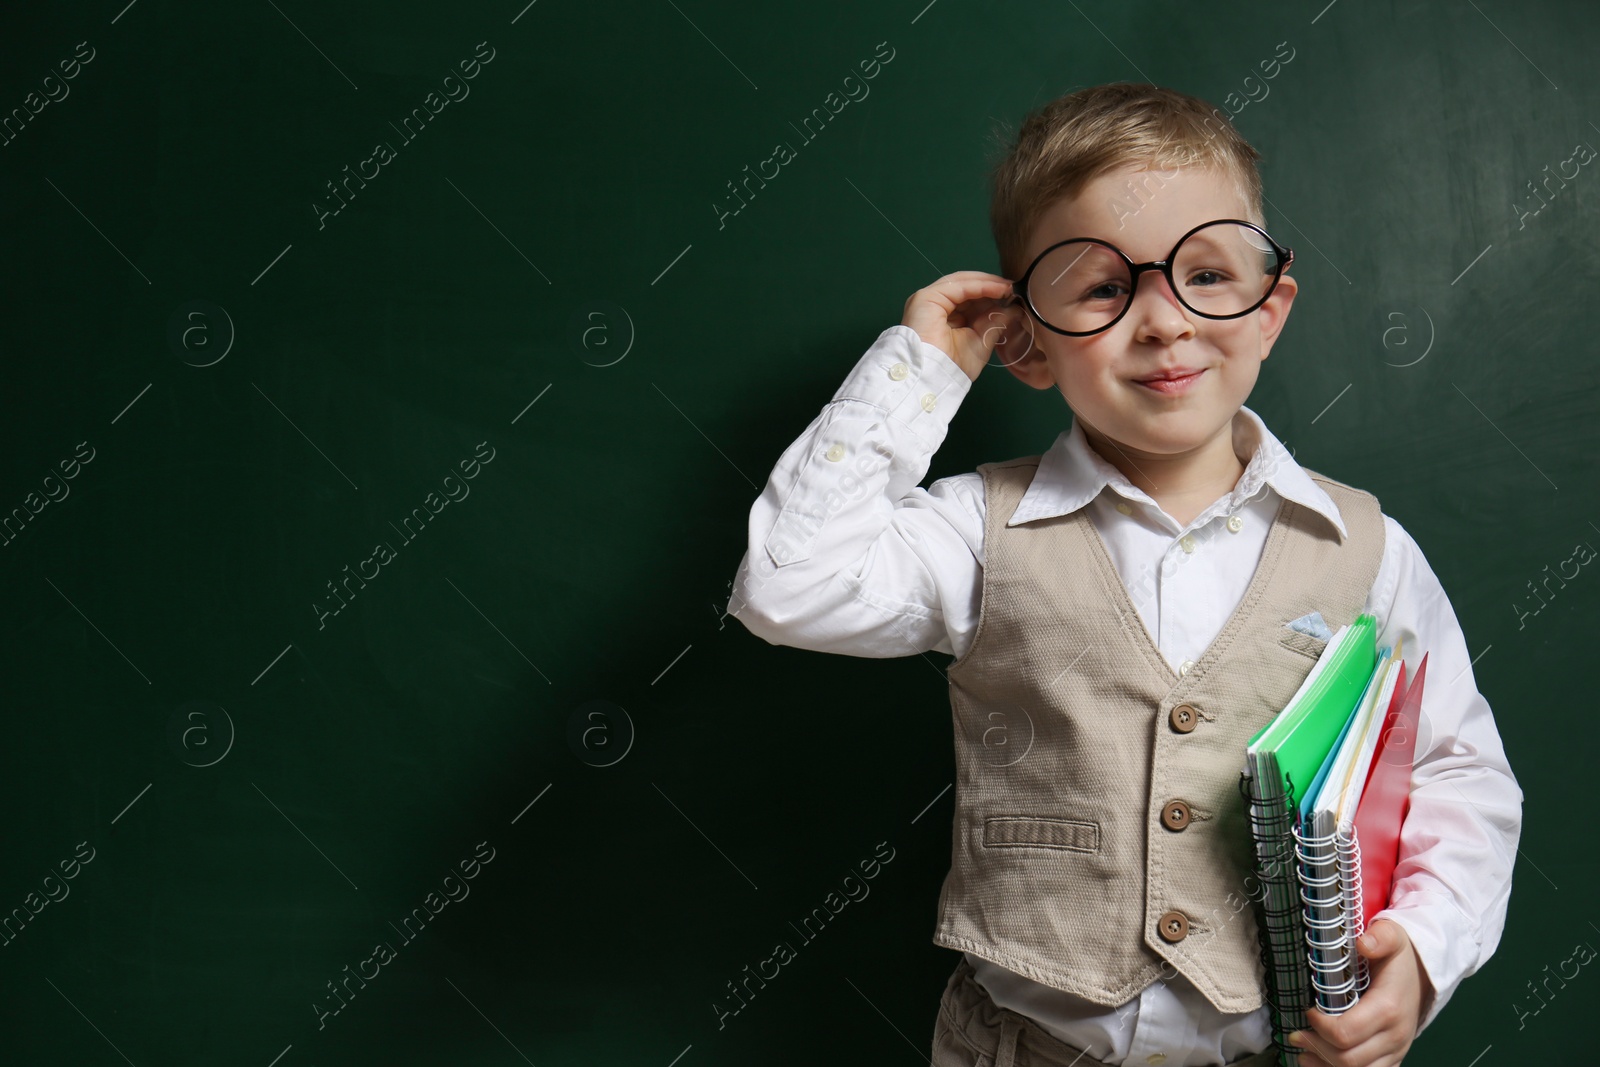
<point x="1099" y="374"/>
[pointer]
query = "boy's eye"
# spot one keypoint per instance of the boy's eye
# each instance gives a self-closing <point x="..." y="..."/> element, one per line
<point x="1201" y="276"/>
<point x="1107" y="291"/>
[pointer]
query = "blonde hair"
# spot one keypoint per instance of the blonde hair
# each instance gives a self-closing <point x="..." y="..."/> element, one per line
<point x="1076" y="138"/>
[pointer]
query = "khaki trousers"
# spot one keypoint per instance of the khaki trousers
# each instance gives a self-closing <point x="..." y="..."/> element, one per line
<point x="974" y="1031"/>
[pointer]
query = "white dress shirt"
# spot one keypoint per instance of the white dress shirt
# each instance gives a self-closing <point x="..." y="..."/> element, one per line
<point x="874" y="565"/>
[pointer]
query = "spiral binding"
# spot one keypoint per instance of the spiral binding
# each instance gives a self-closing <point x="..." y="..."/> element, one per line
<point x="1350" y="876"/>
<point x="1288" y="992"/>
<point x="1330" y="946"/>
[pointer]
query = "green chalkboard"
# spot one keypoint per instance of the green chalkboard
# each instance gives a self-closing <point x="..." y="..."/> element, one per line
<point x="385" y="390"/>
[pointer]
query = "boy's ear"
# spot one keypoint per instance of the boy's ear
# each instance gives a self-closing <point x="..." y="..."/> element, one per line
<point x="1275" y="312"/>
<point x="1019" y="352"/>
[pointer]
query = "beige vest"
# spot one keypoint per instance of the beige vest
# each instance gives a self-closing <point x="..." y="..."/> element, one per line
<point x="1099" y="838"/>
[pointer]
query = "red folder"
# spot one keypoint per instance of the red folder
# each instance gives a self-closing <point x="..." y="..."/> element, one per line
<point x="1386" y="797"/>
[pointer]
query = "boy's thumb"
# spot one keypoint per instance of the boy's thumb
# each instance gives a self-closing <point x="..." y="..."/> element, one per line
<point x="1378" y="940"/>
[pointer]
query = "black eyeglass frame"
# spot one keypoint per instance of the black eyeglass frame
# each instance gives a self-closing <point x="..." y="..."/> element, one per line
<point x="1135" y="270"/>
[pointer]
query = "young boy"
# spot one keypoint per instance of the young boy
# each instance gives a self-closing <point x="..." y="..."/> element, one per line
<point x="1126" y="610"/>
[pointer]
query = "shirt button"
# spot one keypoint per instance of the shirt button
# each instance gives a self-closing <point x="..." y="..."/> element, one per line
<point x="927" y="401"/>
<point x="1183" y="717"/>
<point x="1173" y="926"/>
<point x="1188" y="543"/>
<point x="1175" y="816"/>
<point x="1156" y="1059"/>
<point x="898" y="372"/>
<point x="1234" y="523"/>
<point x="1124" y="507"/>
<point x="836" y="453"/>
<point x="1183" y="668"/>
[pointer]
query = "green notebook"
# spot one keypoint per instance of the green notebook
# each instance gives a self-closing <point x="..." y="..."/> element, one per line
<point x="1302" y="734"/>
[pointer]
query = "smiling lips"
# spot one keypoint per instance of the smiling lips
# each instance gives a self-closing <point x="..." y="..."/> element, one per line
<point x="1174" y="382"/>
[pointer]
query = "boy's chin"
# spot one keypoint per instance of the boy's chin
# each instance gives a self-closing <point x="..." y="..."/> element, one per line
<point x="1175" y="434"/>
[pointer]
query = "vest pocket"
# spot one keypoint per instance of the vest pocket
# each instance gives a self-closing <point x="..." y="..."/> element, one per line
<point x="1033" y="831"/>
<point x="1303" y="643"/>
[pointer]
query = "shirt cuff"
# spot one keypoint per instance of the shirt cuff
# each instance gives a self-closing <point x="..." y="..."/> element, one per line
<point x="1445" y="940"/>
<point x="916" y="383"/>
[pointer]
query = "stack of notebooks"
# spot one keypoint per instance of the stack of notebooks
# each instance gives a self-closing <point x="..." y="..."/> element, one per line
<point x="1328" y="783"/>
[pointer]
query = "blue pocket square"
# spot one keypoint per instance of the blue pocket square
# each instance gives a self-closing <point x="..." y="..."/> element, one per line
<point x="1312" y="624"/>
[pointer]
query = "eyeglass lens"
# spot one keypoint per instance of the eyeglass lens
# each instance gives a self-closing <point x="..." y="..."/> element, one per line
<point x="1220" y="269"/>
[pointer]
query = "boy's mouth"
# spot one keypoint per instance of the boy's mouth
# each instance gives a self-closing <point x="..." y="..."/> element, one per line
<point x="1173" y="382"/>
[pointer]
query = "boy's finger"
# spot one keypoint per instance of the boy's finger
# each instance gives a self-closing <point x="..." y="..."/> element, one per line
<point x="970" y="285"/>
<point x="977" y="307"/>
<point x="1383" y="938"/>
<point x="1352" y="1027"/>
<point x="970" y="275"/>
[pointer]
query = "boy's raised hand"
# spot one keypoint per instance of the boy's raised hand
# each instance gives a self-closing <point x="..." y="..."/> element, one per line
<point x="966" y="315"/>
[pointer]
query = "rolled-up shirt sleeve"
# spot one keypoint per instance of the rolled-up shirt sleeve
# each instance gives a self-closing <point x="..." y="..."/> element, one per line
<point x="845" y="552"/>
<point x="1458" y="844"/>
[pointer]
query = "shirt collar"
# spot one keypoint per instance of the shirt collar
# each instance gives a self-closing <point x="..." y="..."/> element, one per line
<point x="1071" y="474"/>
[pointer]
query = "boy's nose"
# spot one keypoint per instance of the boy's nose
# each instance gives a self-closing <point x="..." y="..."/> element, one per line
<point x="1156" y="304"/>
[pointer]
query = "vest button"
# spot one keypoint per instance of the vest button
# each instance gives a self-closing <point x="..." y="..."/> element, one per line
<point x="1173" y="926"/>
<point x="1175" y="816"/>
<point x="1183" y="717"/>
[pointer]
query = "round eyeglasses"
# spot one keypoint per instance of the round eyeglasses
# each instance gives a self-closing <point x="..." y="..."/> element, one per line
<point x="1218" y="270"/>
